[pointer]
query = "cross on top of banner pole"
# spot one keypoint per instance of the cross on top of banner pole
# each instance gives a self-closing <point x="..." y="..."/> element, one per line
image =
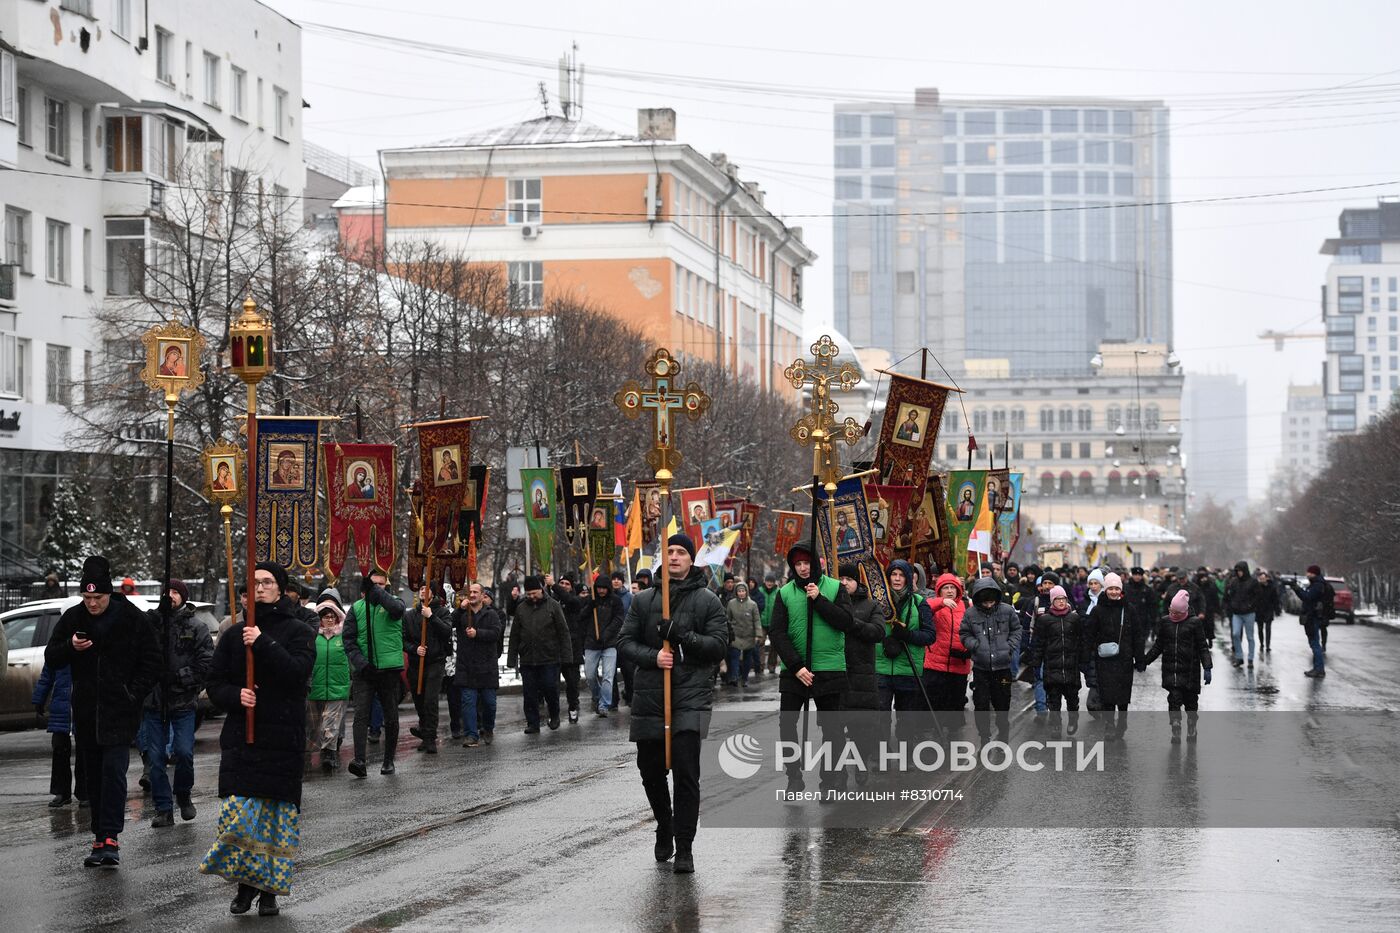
<point x="819" y="427"/>
<point x="664" y="403"/>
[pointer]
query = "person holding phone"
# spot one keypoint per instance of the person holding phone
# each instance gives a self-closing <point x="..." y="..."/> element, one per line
<point x="115" y="661"/>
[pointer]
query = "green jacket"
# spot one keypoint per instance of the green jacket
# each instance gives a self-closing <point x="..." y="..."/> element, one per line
<point x="828" y="632"/>
<point x="770" y="599"/>
<point x="915" y="611"/>
<point x="330" y="678"/>
<point x="373" y="634"/>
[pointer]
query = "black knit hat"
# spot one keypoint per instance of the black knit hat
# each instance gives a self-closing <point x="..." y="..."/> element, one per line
<point x="850" y="570"/>
<point x="179" y="586"/>
<point x="97" y="576"/>
<point x="279" y="573"/>
<point x="682" y="540"/>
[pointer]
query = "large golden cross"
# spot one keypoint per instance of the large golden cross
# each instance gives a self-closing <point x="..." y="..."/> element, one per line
<point x="819" y="427"/>
<point x="664" y="403"/>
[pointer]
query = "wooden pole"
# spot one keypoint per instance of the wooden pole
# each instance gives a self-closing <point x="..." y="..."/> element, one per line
<point x="666" y="609"/>
<point x="227" y="512"/>
<point x="250" y="616"/>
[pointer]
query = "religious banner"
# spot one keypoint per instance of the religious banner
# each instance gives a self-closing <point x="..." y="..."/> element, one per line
<point x="697" y="505"/>
<point x="890" y="522"/>
<point x="1008" y="517"/>
<point x="288" y="527"/>
<point x="909" y="429"/>
<point x="966" y="503"/>
<point x="790" y="528"/>
<point x="444" y="453"/>
<point x="854" y="535"/>
<point x="648" y="494"/>
<point x="540" y="519"/>
<point x="747" y="527"/>
<point x="580" y="485"/>
<point x="360" y="506"/>
<point x="933" y="544"/>
<point x="469" y="519"/>
<point x="716" y="543"/>
<point x="602" y="534"/>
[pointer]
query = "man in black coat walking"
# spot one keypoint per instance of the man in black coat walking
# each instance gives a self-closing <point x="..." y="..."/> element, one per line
<point x="187" y="652"/>
<point x="433" y="607"/>
<point x="115" y="662"/>
<point x="479" y="628"/>
<point x="698" y="635"/>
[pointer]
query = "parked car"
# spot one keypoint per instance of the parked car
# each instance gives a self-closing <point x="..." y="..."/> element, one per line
<point x="27" y="629"/>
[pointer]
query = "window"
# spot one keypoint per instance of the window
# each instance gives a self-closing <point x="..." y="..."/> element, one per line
<point x="980" y="123"/>
<point x="848" y="157"/>
<point x="124" y="144"/>
<point x="882" y="156"/>
<point x="1085" y="418"/>
<point x="258" y="102"/>
<point x="1153" y="418"/>
<point x="87" y="138"/>
<point x="1018" y="419"/>
<point x="904" y="284"/>
<point x="999" y="420"/>
<point x="58" y="377"/>
<point x="121" y="18"/>
<point x="1064" y="182"/>
<point x="1066" y="483"/>
<point x="1066" y="419"/>
<point x="1134" y="418"/>
<point x="189" y="69"/>
<point x="1115" y="417"/>
<point x="1096" y="151"/>
<point x="1096" y="182"/>
<point x="1047" y="484"/>
<point x="979" y="420"/>
<point x="1096" y="121"/>
<point x="126" y="256"/>
<point x="280" y="117"/>
<point x="1086" y="483"/>
<point x="1023" y="121"/>
<point x="1066" y="451"/>
<point x="950" y="184"/>
<point x="860" y="283"/>
<point x="87" y="260"/>
<point x="950" y="420"/>
<point x="1123" y="184"/>
<point x="165" y="57"/>
<point x="17" y="238"/>
<point x="1084" y="450"/>
<point x="523" y="201"/>
<point x="1064" y="151"/>
<point x="850" y="188"/>
<point x="979" y="154"/>
<point x="1047" y="451"/>
<point x="950" y="452"/>
<point x="22" y="115"/>
<point x="212" y="69"/>
<point x="882" y="186"/>
<point x="56" y="128"/>
<point x="14" y="366"/>
<point x="1350" y="290"/>
<point x="980" y="185"/>
<point x="527" y="284"/>
<point x="1047" y="419"/>
<point x="1064" y="121"/>
<point x="1122" y="153"/>
<point x="1115" y="483"/>
<point x="77" y="6"/>
<point x="1018" y="451"/>
<point x="7" y="87"/>
<point x="1025" y="183"/>
<point x="848" y="125"/>
<point x="1020" y="152"/>
<point x="56" y="252"/>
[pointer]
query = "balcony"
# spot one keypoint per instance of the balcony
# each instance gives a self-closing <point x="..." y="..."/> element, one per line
<point x="9" y="275"/>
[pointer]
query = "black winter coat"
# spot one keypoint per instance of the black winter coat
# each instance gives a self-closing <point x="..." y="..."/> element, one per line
<point x="1184" y="650"/>
<point x="539" y="635"/>
<point x="1062" y="645"/>
<point x="1116" y="623"/>
<point x="477" y="657"/>
<point x="1269" y="607"/>
<point x="610" y="618"/>
<point x="1242" y="594"/>
<point x="186" y="653"/>
<point x="439" y="636"/>
<point x="700" y="632"/>
<point x="110" y="679"/>
<point x="1144" y="602"/>
<point x="572" y="605"/>
<point x="862" y="641"/>
<point x="283" y="657"/>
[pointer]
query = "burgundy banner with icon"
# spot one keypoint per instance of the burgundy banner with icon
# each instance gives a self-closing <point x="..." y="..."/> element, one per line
<point x="360" y="505"/>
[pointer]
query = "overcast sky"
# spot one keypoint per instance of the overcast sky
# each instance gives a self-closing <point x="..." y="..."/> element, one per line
<point x="1266" y="98"/>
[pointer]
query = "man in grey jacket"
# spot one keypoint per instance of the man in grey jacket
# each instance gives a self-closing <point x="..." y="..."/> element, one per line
<point x="991" y="630"/>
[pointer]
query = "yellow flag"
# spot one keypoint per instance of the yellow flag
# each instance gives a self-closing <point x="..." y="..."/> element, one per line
<point x="634" y="522"/>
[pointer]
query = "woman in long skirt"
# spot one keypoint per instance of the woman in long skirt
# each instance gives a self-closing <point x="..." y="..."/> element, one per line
<point x="261" y="783"/>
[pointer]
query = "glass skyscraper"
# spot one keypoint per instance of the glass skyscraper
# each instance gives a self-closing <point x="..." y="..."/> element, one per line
<point x="1025" y="230"/>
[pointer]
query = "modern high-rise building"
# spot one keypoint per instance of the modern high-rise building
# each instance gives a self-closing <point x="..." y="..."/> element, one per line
<point x="1303" y="448"/>
<point x="1361" y="310"/>
<point x="1027" y="230"/>
<point x="1215" y="438"/>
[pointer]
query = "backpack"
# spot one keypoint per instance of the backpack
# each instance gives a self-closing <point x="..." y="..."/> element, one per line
<point x="1327" y="605"/>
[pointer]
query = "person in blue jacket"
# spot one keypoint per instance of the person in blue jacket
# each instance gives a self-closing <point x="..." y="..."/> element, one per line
<point x="54" y="690"/>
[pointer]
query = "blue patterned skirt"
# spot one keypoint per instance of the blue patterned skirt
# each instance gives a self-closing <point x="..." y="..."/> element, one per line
<point x="257" y="841"/>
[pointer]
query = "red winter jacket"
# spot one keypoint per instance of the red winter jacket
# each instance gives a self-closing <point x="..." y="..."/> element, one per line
<point x="947" y="652"/>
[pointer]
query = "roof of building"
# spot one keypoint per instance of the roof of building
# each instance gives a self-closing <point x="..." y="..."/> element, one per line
<point x="543" y="131"/>
<point x="334" y="165"/>
<point x="360" y="196"/>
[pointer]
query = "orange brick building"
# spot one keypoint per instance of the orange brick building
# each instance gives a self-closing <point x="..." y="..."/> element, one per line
<point x="668" y="240"/>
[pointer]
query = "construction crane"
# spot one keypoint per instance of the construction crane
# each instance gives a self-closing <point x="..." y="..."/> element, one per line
<point x="1278" y="337"/>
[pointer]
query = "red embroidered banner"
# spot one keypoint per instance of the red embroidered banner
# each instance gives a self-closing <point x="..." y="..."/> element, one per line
<point x="360" y="505"/>
<point x="444" y="454"/>
<point x="890" y="521"/>
<point x="697" y="505"/>
<point x="790" y="526"/>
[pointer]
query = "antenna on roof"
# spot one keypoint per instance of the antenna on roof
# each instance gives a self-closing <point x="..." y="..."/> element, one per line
<point x="544" y="99"/>
<point x="571" y="84"/>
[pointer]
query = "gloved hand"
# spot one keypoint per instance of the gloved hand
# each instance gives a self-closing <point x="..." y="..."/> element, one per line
<point x="1206" y="676"/>
<point x="893" y="647"/>
<point x="366" y="587"/>
<point x="1141" y="668"/>
<point x="166" y="607"/>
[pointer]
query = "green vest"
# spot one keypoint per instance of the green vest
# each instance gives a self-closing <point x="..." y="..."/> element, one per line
<point x="828" y="645"/>
<point x="330" y="678"/>
<point x="770" y="599"/>
<point x="899" y="666"/>
<point x="386" y="654"/>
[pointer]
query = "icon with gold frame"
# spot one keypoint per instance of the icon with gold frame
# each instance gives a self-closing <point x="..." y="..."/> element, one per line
<point x="223" y="472"/>
<point x="172" y="359"/>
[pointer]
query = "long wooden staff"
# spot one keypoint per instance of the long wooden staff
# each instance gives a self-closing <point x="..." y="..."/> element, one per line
<point x="666" y="617"/>
<point x="423" y="636"/>
<point x="250" y="611"/>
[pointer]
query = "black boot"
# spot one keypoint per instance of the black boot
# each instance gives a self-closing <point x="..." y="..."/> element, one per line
<point x="685" y="861"/>
<point x="1191" y="728"/>
<point x="1176" y="733"/>
<point x="267" y="904"/>
<point x="187" y="810"/>
<point x="243" y="899"/>
<point x="59" y="800"/>
<point x="665" y="845"/>
<point x="659" y="796"/>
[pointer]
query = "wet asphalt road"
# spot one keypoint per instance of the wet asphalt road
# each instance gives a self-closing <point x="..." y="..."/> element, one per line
<point x="553" y="831"/>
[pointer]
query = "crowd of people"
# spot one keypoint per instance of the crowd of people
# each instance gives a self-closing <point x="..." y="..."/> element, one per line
<point x="115" y="677"/>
